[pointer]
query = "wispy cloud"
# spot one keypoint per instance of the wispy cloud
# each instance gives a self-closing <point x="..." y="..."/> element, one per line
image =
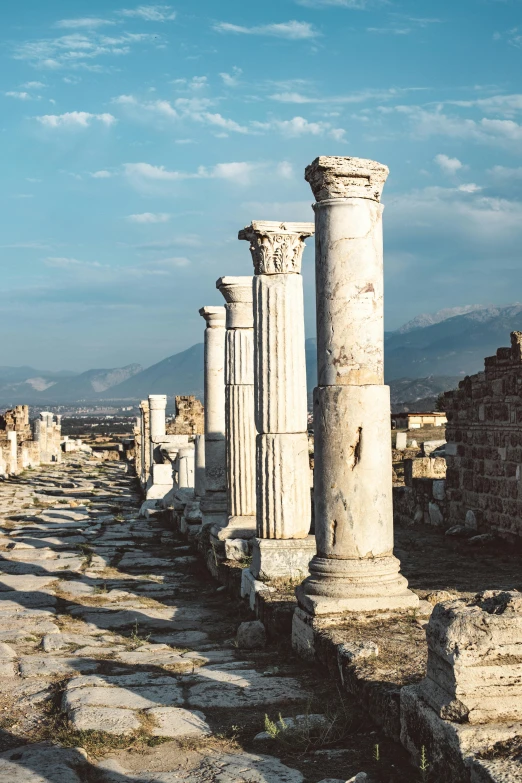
<point x="77" y="49"/>
<point x="22" y="96"/>
<point x="238" y="172"/>
<point x="149" y="217"/>
<point x="83" y="22"/>
<point x="447" y="164"/>
<point x="75" y="119"/>
<point x="33" y="86"/>
<point x="102" y="174"/>
<point x="355" y="5"/>
<point x="169" y="263"/>
<point x="362" y="96"/>
<point x="401" y="24"/>
<point x="70" y="263"/>
<point x="150" y="13"/>
<point x="293" y="30"/>
<point x="299" y="126"/>
<point x="231" y="79"/>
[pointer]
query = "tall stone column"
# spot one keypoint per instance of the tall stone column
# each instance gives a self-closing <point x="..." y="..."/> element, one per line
<point x="157" y="407"/>
<point x="239" y="408"/>
<point x="354" y="569"/>
<point x="137" y="446"/>
<point x="145" y="442"/>
<point x="199" y="466"/>
<point x="283" y="546"/>
<point x="214" y="502"/>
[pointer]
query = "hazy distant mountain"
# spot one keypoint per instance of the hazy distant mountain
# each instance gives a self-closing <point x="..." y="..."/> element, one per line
<point x="179" y="374"/>
<point x="454" y="346"/>
<point x="428" y="319"/>
<point x="424" y="357"/>
<point x="88" y="385"/>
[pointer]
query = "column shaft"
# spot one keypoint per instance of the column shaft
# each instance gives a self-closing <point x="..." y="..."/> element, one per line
<point x="354" y="569"/>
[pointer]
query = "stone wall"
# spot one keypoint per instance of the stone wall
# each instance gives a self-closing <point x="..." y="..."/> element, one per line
<point x="17" y="448"/>
<point x="190" y="417"/>
<point x="484" y="448"/>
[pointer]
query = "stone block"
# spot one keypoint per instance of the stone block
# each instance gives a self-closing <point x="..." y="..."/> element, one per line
<point x="424" y="467"/>
<point x="277" y="558"/>
<point x="474" y="669"/>
<point x="401" y="440"/>
<point x="439" y="489"/>
<point x="251" y="635"/>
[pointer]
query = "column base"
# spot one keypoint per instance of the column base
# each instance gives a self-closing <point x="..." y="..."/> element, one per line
<point x="236" y="527"/>
<point x="213" y="507"/>
<point x="335" y="587"/>
<point x="289" y="558"/>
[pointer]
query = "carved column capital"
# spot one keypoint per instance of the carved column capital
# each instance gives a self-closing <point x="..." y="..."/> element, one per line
<point x="332" y="177"/>
<point x="214" y="316"/>
<point x="277" y="248"/>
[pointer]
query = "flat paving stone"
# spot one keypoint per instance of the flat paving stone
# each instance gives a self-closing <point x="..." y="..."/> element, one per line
<point x="131" y="698"/>
<point x="179" y="723"/>
<point x="109" y="719"/>
<point x="41" y="763"/>
<point x="39" y="666"/>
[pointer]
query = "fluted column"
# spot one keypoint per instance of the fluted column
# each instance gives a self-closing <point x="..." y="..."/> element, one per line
<point x="239" y="407"/>
<point x="283" y="473"/>
<point x="354" y="569"/>
<point x="199" y="466"/>
<point x="214" y="502"/>
<point x="137" y="446"/>
<point x="145" y="441"/>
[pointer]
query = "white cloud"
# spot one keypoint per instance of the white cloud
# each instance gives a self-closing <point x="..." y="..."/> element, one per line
<point x="77" y="49"/>
<point x="102" y="174"/>
<point x="90" y="22"/>
<point x="75" y="119"/>
<point x="143" y="174"/>
<point x="505" y="104"/>
<point x="505" y="173"/>
<point x="149" y="217"/>
<point x="150" y="13"/>
<point x="299" y="126"/>
<point x="22" y="96"/>
<point x="33" y="86"/>
<point x="69" y="263"/>
<point x="293" y="30"/>
<point x="355" y="5"/>
<point x="294" y="96"/>
<point x="470" y="187"/>
<point x="447" y="164"/>
<point x="231" y="79"/>
<point x="285" y="170"/>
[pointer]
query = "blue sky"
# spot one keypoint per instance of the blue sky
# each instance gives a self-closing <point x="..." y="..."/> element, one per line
<point x="138" y="139"/>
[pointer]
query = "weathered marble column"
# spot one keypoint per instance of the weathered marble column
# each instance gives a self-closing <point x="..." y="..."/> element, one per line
<point x="214" y="503"/>
<point x="199" y="466"/>
<point x="239" y="408"/>
<point x="137" y="446"/>
<point x="354" y="569"/>
<point x="283" y="546"/>
<point x="157" y="407"/>
<point x="145" y="441"/>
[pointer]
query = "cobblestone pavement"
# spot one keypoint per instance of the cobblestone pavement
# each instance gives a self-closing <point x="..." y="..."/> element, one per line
<point x="116" y="656"/>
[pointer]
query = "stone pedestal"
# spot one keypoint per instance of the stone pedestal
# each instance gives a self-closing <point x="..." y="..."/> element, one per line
<point x="354" y="569"/>
<point x="283" y="474"/>
<point x="214" y="502"/>
<point x="274" y="558"/>
<point x="239" y="409"/>
<point x="161" y="481"/>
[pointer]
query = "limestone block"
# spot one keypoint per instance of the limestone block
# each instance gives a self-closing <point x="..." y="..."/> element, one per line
<point x="241" y="451"/>
<point x="276" y="558"/>
<point x="429" y="446"/>
<point x="283" y="493"/>
<point x="400" y="440"/>
<point x="353" y="471"/>
<point x="280" y="363"/>
<point x="475" y="658"/>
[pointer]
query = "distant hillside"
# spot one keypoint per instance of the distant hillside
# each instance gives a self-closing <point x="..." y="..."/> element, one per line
<point x="179" y="374"/>
<point x="88" y="385"/>
<point x="454" y="346"/>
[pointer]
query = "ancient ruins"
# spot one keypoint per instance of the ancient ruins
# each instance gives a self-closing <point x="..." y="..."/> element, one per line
<point x="142" y="646"/>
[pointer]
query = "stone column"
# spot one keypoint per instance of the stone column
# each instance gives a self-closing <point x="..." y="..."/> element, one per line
<point x="354" y="569"/>
<point x="186" y="467"/>
<point x="199" y="466"/>
<point x="239" y="408"/>
<point x="137" y="446"/>
<point x="283" y="546"/>
<point x="13" y="452"/>
<point x="214" y="502"/>
<point x="145" y="441"/>
<point x="157" y="406"/>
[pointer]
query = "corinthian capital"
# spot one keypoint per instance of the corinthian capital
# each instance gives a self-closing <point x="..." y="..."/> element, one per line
<point x="277" y="248"/>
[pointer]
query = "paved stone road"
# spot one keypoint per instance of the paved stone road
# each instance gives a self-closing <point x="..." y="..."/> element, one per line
<point x="112" y="637"/>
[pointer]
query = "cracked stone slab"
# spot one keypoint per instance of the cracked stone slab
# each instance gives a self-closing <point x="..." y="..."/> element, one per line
<point x="230" y="689"/>
<point x="175" y="722"/>
<point x="109" y="719"/>
<point x="131" y="698"/>
<point x="46" y="666"/>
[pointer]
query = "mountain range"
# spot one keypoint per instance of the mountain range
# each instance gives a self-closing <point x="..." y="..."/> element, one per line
<point x="424" y="357"/>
